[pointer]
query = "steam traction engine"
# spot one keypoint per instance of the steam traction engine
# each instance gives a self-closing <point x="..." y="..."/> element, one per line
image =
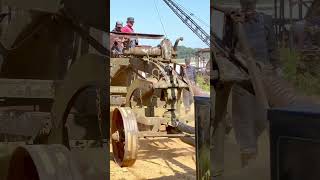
<point x="145" y="92"/>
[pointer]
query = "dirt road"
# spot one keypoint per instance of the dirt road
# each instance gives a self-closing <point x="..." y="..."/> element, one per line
<point x="258" y="169"/>
<point x="160" y="158"/>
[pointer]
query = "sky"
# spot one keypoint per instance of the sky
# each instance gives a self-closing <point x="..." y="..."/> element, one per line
<point x="147" y="19"/>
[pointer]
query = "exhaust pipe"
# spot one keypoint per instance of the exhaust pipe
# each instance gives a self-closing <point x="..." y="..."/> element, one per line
<point x="175" y="47"/>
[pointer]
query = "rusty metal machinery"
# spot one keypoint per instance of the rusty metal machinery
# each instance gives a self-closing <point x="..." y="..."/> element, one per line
<point x="49" y="72"/>
<point x="124" y="136"/>
<point x="145" y="96"/>
<point x="231" y="67"/>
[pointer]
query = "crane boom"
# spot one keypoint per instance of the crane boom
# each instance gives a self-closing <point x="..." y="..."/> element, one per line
<point x="186" y="19"/>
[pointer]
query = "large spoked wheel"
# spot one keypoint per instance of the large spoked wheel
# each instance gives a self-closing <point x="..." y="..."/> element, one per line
<point x="88" y="72"/>
<point x="124" y="130"/>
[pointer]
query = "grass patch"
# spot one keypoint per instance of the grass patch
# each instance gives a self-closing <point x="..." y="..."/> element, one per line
<point x="202" y="83"/>
<point x="304" y="82"/>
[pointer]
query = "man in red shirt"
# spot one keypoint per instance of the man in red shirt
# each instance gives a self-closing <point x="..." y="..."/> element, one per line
<point x="129" y="27"/>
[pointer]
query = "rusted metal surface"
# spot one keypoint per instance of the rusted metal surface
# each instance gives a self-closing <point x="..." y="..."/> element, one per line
<point x="118" y="89"/>
<point x="23" y="123"/>
<point x="95" y="16"/>
<point x="38" y="43"/>
<point x="27" y="88"/>
<point x="228" y="72"/>
<point x="87" y="38"/>
<point x="152" y="84"/>
<point x="145" y="85"/>
<point x="149" y="121"/>
<point x="166" y="49"/>
<point x="125" y="135"/>
<point x="45" y="43"/>
<point x="79" y="163"/>
<point x="88" y="71"/>
<point x="175" y="46"/>
<point x="136" y="35"/>
<point x="183" y="127"/>
<point x="143" y="51"/>
<point x="117" y="100"/>
<point x="44" y="163"/>
<point x="6" y="151"/>
<point x="13" y="25"/>
<point x="119" y="71"/>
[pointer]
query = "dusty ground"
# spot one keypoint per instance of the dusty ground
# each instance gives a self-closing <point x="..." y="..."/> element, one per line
<point x="163" y="158"/>
<point x="160" y="158"/>
<point x="258" y="169"/>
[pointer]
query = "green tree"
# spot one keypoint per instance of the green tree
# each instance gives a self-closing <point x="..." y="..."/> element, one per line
<point x="185" y="52"/>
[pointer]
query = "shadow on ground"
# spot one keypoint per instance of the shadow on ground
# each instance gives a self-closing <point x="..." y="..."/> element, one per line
<point x="159" y="158"/>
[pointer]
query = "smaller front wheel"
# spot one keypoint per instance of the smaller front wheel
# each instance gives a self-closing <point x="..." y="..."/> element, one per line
<point x="125" y="136"/>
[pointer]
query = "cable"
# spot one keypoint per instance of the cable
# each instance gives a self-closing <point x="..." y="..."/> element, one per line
<point x="192" y="14"/>
<point x="164" y="30"/>
<point x="187" y="20"/>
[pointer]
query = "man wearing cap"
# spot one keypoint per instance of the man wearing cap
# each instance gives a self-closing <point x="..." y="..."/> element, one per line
<point x="118" y="27"/>
<point x="129" y="29"/>
<point x="117" y="43"/>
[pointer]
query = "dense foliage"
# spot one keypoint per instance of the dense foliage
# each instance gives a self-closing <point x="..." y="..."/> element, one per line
<point x="203" y="84"/>
<point x="185" y="52"/>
